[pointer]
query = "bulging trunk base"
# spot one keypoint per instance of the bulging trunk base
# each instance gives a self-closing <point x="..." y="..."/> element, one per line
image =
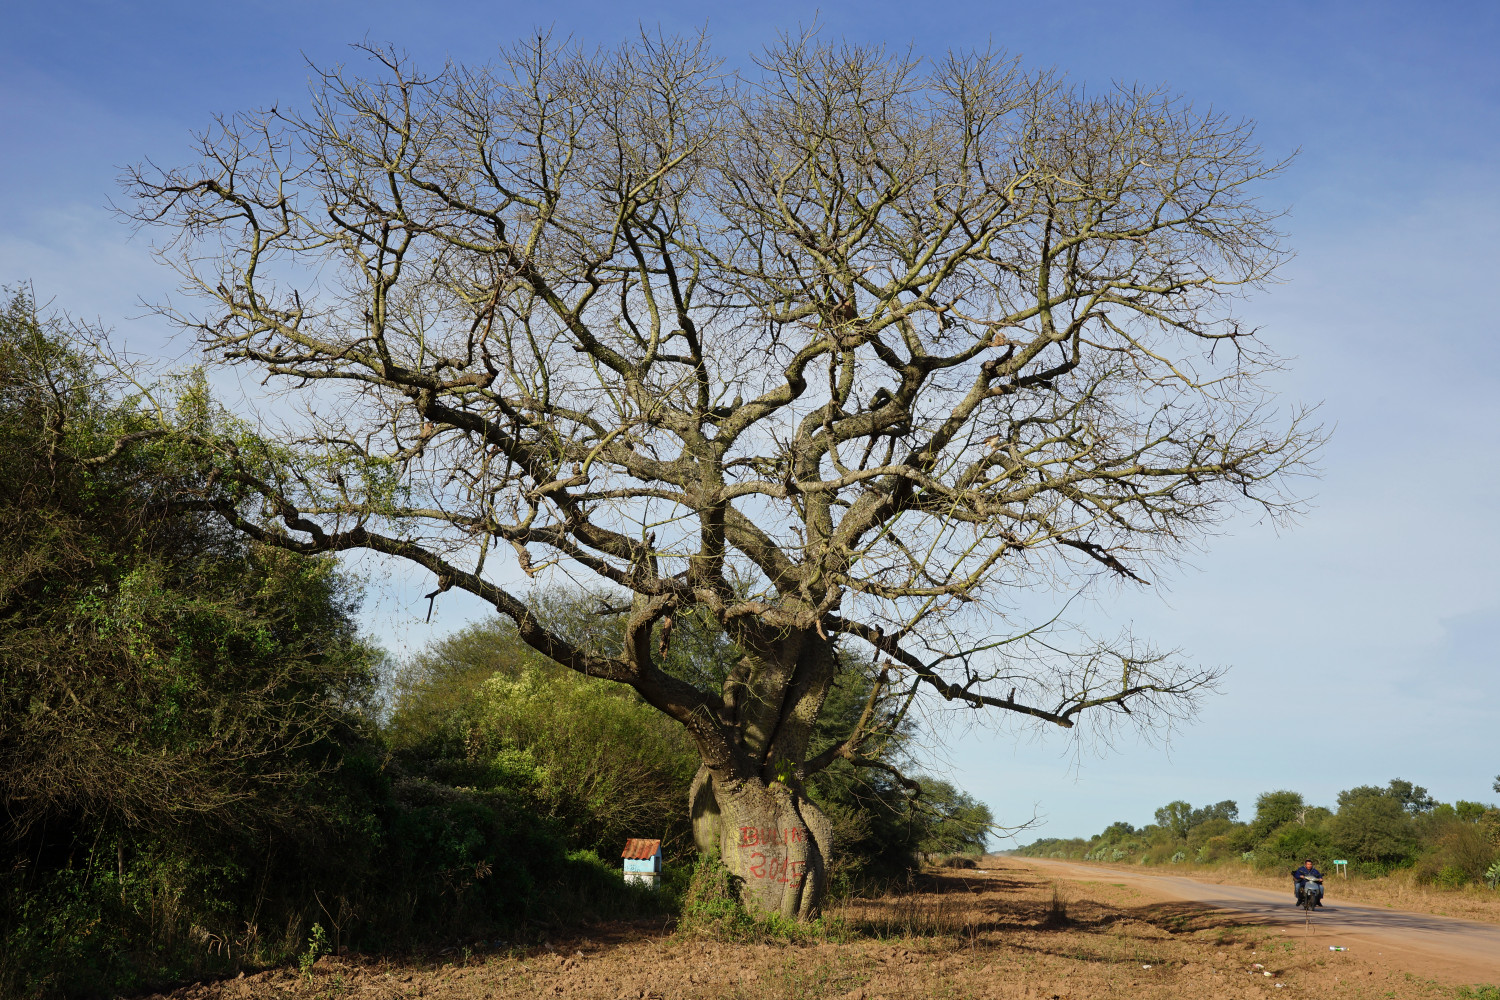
<point x="770" y="836"/>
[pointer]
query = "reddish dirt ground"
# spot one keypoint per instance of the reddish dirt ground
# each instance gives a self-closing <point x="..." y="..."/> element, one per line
<point x="1009" y="930"/>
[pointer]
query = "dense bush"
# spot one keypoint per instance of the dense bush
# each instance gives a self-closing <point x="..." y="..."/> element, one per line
<point x="481" y="710"/>
<point x="1273" y="810"/>
<point x="168" y="695"/>
<point x="189" y="772"/>
<point x="155" y="670"/>
<point x="1373" y="827"/>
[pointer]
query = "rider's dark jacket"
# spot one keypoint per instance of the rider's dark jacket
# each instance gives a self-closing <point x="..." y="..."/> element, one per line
<point x="1300" y="874"/>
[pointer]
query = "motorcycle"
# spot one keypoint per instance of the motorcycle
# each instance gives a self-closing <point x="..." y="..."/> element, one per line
<point x="1311" y="893"/>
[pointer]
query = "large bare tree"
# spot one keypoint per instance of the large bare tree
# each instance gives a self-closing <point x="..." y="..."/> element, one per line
<point x="845" y="349"/>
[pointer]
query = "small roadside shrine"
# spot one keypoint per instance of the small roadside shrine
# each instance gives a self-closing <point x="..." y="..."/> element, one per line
<point x="642" y="861"/>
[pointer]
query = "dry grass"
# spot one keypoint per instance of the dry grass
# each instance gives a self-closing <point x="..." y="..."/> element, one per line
<point x="1003" y="932"/>
<point x="1057" y="909"/>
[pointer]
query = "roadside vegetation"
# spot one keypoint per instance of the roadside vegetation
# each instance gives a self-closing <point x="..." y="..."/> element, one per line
<point x="1379" y="830"/>
<point x="205" y="768"/>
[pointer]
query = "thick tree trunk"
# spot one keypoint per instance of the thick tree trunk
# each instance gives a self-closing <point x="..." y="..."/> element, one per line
<point x="769" y="835"/>
<point x="748" y="805"/>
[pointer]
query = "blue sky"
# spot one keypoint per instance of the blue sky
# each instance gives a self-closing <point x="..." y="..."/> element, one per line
<point x="1382" y="605"/>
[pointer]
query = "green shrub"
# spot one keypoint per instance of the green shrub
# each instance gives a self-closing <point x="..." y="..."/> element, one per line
<point x="1451" y="877"/>
<point x="481" y="710"/>
<point x="712" y="902"/>
<point x="317" y="947"/>
<point x="591" y="888"/>
<point x="1290" y="844"/>
<point x="604" y="764"/>
<point x="1159" y="854"/>
<point x="1274" y="810"/>
<point x="1216" y="849"/>
<point x="1207" y="830"/>
<point x="1373" y="828"/>
<point x="1481" y="992"/>
<point x="1460" y="852"/>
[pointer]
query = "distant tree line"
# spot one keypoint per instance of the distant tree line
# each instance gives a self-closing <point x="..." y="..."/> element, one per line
<point x="1378" y="829"/>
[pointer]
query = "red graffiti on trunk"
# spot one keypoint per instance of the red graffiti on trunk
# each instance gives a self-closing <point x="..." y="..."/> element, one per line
<point x="753" y="836"/>
<point x="776" y="869"/>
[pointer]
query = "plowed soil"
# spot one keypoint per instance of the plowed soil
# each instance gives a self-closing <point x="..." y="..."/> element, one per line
<point x="1008" y="930"/>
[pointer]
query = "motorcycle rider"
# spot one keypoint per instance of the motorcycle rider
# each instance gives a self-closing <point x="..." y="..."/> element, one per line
<point x="1300" y="877"/>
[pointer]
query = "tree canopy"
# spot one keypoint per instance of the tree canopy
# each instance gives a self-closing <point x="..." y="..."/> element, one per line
<point x="853" y="347"/>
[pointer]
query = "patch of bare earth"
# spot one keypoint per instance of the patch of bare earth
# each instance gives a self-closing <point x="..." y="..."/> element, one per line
<point x="1003" y="931"/>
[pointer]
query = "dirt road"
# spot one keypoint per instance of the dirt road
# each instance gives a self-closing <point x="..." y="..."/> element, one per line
<point x="1449" y="942"/>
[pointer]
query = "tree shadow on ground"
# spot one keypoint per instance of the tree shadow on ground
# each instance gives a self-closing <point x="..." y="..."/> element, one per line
<point x="1006" y="906"/>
